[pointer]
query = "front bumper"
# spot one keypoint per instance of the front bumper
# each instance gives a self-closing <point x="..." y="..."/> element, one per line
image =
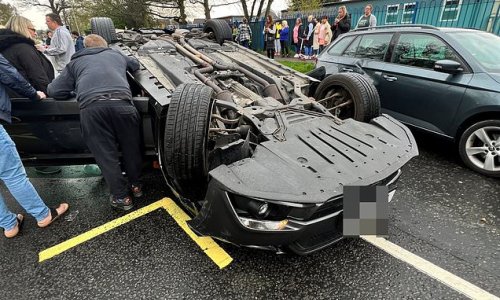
<point x="305" y="228"/>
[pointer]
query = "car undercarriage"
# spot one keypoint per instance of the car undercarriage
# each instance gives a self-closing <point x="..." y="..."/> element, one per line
<point x="246" y="147"/>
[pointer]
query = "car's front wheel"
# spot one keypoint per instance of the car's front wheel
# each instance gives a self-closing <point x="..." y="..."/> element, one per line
<point x="185" y="139"/>
<point x="479" y="147"/>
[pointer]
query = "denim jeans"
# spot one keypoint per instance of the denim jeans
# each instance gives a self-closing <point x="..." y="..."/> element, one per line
<point x="297" y="48"/>
<point x="12" y="173"/>
<point x="309" y="50"/>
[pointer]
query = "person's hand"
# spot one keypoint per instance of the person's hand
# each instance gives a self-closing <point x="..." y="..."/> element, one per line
<point x="41" y="95"/>
<point x="336" y="21"/>
<point x="40" y="48"/>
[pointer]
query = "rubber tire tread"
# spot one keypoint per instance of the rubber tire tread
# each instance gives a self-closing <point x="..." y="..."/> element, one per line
<point x="463" y="140"/>
<point x="186" y="127"/>
<point x="365" y="95"/>
<point x="221" y="30"/>
<point x="104" y="27"/>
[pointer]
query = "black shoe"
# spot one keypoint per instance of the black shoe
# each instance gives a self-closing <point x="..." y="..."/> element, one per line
<point x="122" y="203"/>
<point x="137" y="190"/>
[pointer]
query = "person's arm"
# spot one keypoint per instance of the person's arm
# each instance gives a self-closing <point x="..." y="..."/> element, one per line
<point x="239" y="32"/>
<point x="63" y="86"/>
<point x="58" y="44"/>
<point x="285" y="30"/>
<point x="344" y="24"/>
<point x="272" y="30"/>
<point x="328" y="35"/>
<point x="310" y="30"/>
<point x="373" y="21"/>
<point x="11" y="78"/>
<point x="132" y="64"/>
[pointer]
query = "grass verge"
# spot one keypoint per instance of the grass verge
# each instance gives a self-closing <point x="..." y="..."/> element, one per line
<point x="299" y="66"/>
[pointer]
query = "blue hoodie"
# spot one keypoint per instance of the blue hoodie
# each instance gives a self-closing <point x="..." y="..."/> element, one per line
<point x="10" y="77"/>
<point x="284" y="33"/>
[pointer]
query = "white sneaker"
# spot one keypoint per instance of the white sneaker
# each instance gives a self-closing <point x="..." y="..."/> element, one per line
<point x="296" y="56"/>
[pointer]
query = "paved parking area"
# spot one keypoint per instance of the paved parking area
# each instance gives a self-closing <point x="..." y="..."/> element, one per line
<point x="442" y="212"/>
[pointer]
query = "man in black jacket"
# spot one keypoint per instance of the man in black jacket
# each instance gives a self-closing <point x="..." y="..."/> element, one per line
<point x="108" y="117"/>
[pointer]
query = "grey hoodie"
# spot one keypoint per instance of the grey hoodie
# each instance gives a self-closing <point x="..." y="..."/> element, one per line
<point x="94" y="74"/>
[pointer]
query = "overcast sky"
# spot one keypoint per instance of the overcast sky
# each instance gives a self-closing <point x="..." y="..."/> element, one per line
<point x="37" y="15"/>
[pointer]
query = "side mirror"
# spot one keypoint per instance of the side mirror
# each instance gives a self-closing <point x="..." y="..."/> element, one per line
<point x="448" y="66"/>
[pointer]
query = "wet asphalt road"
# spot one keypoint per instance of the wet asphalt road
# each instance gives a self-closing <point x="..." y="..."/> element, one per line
<point x="442" y="212"/>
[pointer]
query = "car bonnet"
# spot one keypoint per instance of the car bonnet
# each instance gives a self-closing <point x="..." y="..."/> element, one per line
<point x="318" y="158"/>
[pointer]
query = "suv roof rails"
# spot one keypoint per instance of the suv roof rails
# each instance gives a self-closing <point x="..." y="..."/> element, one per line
<point x="398" y="25"/>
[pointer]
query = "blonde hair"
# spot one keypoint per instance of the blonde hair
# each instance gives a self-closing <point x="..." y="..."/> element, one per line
<point x="94" y="41"/>
<point x="344" y="8"/>
<point x="310" y="18"/>
<point x="284" y="23"/>
<point x="20" y="25"/>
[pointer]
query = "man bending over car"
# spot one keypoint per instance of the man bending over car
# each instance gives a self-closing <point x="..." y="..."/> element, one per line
<point x="109" y="119"/>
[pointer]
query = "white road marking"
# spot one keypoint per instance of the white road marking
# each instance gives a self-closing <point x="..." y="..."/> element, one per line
<point x="458" y="284"/>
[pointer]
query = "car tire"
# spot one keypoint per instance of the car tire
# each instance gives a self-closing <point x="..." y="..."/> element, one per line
<point x="220" y="28"/>
<point x="479" y="147"/>
<point x="185" y="136"/>
<point x="104" y="27"/>
<point x="353" y="86"/>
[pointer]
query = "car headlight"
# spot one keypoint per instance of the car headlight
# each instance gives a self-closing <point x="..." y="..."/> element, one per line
<point x="265" y="225"/>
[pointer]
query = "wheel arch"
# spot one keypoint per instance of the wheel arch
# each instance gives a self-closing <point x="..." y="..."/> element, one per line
<point x="475" y="118"/>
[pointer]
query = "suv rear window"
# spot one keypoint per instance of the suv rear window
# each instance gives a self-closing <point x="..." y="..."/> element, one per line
<point x="373" y="46"/>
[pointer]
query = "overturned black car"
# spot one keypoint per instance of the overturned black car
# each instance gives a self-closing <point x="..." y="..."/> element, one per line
<point x="244" y="142"/>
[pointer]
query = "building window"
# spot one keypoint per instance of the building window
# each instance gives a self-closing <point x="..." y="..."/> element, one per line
<point x="409" y="10"/>
<point x="451" y="10"/>
<point x="392" y="14"/>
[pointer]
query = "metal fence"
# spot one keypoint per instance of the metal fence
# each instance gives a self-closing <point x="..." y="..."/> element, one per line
<point x="482" y="15"/>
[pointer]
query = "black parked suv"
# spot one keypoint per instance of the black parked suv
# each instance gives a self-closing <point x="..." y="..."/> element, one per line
<point x="442" y="80"/>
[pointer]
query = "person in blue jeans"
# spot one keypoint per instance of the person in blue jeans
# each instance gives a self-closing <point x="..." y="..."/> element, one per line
<point x="12" y="172"/>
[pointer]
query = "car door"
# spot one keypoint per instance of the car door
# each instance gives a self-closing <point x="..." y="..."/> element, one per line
<point x="413" y="92"/>
<point x="365" y="54"/>
<point x="47" y="129"/>
<point x="333" y="60"/>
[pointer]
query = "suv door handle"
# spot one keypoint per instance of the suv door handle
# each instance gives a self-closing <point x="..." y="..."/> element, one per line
<point x="347" y="70"/>
<point x="389" y="78"/>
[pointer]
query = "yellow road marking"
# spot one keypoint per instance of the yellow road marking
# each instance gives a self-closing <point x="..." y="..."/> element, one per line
<point x="220" y="257"/>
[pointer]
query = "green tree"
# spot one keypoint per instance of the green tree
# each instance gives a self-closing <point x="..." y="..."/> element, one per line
<point x="6" y="11"/>
<point x="249" y="14"/>
<point x="55" y="6"/>
<point x="306" y="5"/>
